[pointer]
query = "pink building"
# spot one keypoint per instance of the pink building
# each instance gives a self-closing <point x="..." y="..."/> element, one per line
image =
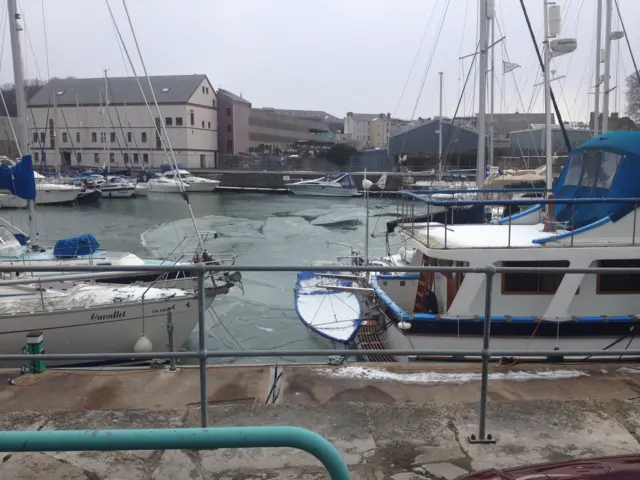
<point x="233" y="123"/>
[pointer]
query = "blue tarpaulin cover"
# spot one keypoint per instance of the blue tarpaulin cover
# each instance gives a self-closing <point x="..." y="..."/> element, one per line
<point x="19" y="180"/>
<point x="167" y="167"/>
<point x="76" y="246"/>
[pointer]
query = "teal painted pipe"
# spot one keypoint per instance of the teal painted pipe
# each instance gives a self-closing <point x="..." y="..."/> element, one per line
<point x="178" y="438"/>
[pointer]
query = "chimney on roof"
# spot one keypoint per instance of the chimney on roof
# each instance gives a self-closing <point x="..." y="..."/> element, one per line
<point x="388" y="115"/>
<point x="349" y="114"/>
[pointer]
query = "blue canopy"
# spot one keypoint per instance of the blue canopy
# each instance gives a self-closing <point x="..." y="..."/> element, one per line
<point x="606" y="166"/>
<point x="74" y="247"/>
<point x="167" y="167"/>
<point x="19" y="180"/>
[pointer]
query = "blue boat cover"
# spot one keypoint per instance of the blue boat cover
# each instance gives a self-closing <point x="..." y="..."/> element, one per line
<point x="167" y="167"/>
<point x="19" y="180"/>
<point x="74" y="247"/>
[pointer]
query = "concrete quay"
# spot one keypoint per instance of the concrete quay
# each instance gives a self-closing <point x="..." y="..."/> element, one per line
<point x="390" y="422"/>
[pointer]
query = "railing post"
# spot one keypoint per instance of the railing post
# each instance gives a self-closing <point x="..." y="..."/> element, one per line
<point x="486" y="356"/>
<point x="172" y="360"/>
<point x="202" y="349"/>
<point x="573" y="222"/>
<point x="635" y="212"/>
<point x="509" y="236"/>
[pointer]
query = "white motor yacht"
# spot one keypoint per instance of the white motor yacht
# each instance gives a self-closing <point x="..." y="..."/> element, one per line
<point x="196" y="184"/>
<point x="331" y="185"/>
<point x="167" y="185"/>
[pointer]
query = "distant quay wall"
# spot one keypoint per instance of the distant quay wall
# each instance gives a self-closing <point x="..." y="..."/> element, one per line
<point x="278" y="180"/>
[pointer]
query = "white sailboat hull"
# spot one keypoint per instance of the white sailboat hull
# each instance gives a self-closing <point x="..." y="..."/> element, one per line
<point x="322" y="190"/>
<point x="119" y="192"/>
<point x="105" y="329"/>
<point x="43" y="197"/>
<point x="165" y="188"/>
<point x="203" y="186"/>
<point x="141" y="190"/>
<point x="395" y="339"/>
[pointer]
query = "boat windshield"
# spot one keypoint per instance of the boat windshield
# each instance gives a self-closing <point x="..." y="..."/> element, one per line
<point x="593" y="169"/>
<point x="7" y="239"/>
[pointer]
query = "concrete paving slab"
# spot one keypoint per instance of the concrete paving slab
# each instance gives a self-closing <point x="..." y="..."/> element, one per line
<point x="379" y="439"/>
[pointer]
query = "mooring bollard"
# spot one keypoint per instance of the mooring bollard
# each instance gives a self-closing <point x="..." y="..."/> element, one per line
<point x="170" y="328"/>
<point x="35" y="346"/>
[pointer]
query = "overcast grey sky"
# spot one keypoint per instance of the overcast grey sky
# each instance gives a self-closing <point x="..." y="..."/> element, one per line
<point x="333" y="55"/>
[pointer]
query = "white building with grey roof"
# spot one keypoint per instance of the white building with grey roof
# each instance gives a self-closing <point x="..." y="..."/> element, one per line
<point x="70" y="123"/>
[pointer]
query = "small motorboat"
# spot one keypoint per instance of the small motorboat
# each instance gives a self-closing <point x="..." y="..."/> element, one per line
<point x="331" y="185"/>
<point x="326" y="310"/>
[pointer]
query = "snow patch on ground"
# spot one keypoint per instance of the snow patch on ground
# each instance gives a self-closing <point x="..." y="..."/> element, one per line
<point x="366" y="373"/>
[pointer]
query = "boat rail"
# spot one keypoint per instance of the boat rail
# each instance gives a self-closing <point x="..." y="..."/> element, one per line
<point x="203" y="354"/>
<point x="184" y="250"/>
<point x="406" y="212"/>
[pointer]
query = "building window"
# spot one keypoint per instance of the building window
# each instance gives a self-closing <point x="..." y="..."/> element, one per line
<point x="35" y="137"/>
<point x="136" y="158"/>
<point x="42" y="137"/>
<point x="96" y="158"/>
<point x="125" y="157"/>
<point x="129" y="137"/>
<point x="228" y="128"/>
<point x="94" y="137"/>
<point x="168" y="121"/>
<point x="178" y="121"/>
<point x="532" y="283"/>
<point x="203" y="89"/>
<point x="213" y="103"/>
<point x="207" y="90"/>
<point x="78" y="137"/>
<point x="103" y="137"/>
<point x="112" y="137"/>
<point x="51" y="124"/>
<point x="229" y="145"/>
<point x="202" y="123"/>
<point x="228" y="111"/>
<point x="145" y="158"/>
<point x="65" y="137"/>
<point x="112" y="157"/>
<point x="208" y="124"/>
<point x="192" y="117"/>
<point x="36" y="157"/>
<point x="52" y="141"/>
<point x="620" y="283"/>
<point x="78" y="158"/>
<point x="143" y="137"/>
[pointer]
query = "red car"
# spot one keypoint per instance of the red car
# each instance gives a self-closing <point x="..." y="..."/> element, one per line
<point x="625" y="467"/>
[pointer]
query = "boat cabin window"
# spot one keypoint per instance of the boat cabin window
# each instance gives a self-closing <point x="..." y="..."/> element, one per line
<point x="592" y="168"/>
<point x="532" y="283"/>
<point x="620" y="283"/>
<point x="7" y="239"/>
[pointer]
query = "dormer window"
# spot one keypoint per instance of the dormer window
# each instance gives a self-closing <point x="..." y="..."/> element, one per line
<point x="165" y="90"/>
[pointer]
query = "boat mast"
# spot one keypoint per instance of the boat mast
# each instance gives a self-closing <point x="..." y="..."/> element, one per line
<point x="21" y="103"/>
<point x="440" y="134"/>
<point x="607" y="66"/>
<point x="491" y="15"/>
<point x="547" y="119"/>
<point x="79" y="126"/>
<point x="106" y="107"/>
<point x="596" y="107"/>
<point x="482" y="92"/>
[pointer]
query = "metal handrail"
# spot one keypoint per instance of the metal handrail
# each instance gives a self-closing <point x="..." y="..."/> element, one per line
<point x="203" y="354"/>
<point x="178" y="438"/>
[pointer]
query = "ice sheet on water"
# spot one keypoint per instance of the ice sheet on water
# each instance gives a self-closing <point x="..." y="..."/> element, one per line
<point x="367" y="373"/>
